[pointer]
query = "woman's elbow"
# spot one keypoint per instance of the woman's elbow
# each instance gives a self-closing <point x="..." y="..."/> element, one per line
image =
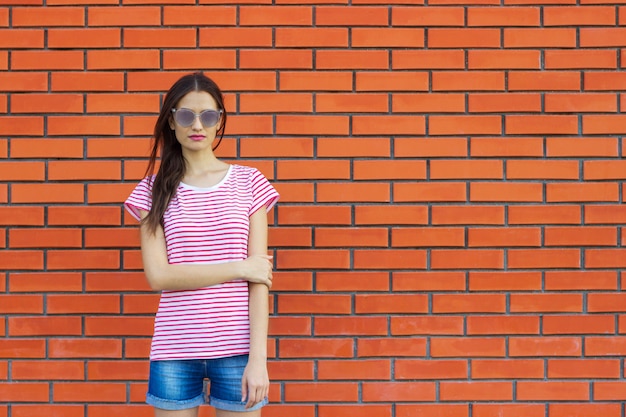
<point x="156" y="280"/>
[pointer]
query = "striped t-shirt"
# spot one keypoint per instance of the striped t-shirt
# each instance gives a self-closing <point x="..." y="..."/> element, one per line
<point x="206" y="225"/>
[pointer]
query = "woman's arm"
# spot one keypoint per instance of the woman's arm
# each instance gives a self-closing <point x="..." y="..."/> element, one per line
<point x="255" y="384"/>
<point x="162" y="275"/>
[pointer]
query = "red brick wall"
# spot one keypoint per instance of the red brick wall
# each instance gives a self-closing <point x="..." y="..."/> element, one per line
<point x="449" y="240"/>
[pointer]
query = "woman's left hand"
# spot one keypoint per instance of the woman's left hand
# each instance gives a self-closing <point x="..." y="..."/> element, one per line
<point x="255" y="383"/>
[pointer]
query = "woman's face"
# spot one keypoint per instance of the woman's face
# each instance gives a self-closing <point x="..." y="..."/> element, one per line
<point x="199" y="134"/>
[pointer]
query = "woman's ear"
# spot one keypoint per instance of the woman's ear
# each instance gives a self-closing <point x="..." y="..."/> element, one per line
<point x="171" y="122"/>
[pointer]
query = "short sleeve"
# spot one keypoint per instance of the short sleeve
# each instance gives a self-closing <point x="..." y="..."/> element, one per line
<point x="263" y="193"/>
<point x="140" y="198"/>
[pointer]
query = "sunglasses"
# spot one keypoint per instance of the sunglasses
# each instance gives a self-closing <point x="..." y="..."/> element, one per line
<point x="186" y="117"/>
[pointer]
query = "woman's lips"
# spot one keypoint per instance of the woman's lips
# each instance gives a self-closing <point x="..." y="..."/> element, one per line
<point x="196" y="137"/>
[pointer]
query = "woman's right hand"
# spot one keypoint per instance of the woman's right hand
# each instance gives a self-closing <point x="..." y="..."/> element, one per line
<point x="258" y="269"/>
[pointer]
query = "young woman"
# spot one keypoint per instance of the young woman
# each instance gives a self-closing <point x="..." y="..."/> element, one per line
<point x="204" y="246"/>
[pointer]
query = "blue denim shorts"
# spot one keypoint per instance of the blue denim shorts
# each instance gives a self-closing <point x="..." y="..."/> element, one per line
<point x="180" y="384"/>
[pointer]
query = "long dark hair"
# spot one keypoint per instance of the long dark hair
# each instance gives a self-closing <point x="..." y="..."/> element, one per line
<point x="172" y="168"/>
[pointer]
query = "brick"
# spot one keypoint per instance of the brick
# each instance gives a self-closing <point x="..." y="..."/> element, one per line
<point x="51" y="410"/>
<point x="442" y="409"/>
<point x="357" y="16"/>
<point x="399" y="391"/>
<point x="428" y="102"/>
<point x="430" y="147"/>
<point x="321" y="391"/>
<point x="252" y="15"/>
<point x="353" y="103"/>
<point x="44" y="326"/>
<point x="42" y="370"/>
<point x="21" y="259"/>
<point x="387" y="37"/>
<point x="543" y="258"/>
<point x="318" y="80"/>
<point x="88" y="392"/>
<point x="394" y="125"/>
<point x="122" y="59"/>
<point x="22" y="125"/>
<point x="431" y="191"/>
<point x="89" y="259"/>
<point x="84" y="215"/>
<point x="552" y="391"/>
<point x="580" y="103"/>
<point x="504" y="59"/>
<point x="509" y="192"/>
<point x="192" y="15"/>
<point x="496" y="16"/>
<point x="341" y="237"/>
<point x="84" y="38"/>
<point x="364" y="369"/>
<point x="302" y="259"/>
<point x="352" y="59"/>
<point x="463" y="38"/>
<point x="506" y="237"/>
<point x="392" y="169"/>
<point x="275" y="103"/>
<point x="300" y="215"/>
<point x="428" y="237"/>
<point x="351" y="281"/>
<point x="45" y="238"/>
<point x="539" y="38"/>
<point x="108" y="193"/>
<point x="595" y="38"/>
<point x="580" y="280"/>
<point x="546" y="303"/>
<point x="315" y="303"/>
<point x="604" y="302"/>
<point x="116" y="326"/>
<point x="596" y="324"/>
<point x="25" y="391"/>
<point x="85" y="348"/>
<point x="398" y="303"/>
<point x="603" y="80"/>
<point x="392" y="81"/>
<point x="468" y="303"/>
<point x="47" y="60"/>
<point x="21" y="38"/>
<point x="349" y="192"/>
<point x="508" y="410"/>
<point x="22" y="348"/>
<point x="544" y="214"/>
<point x="610" y="214"/>
<point x="41" y="103"/>
<point x="395" y="347"/>
<point x="579" y="16"/>
<point x="47" y="16"/>
<point x="46" y="148"/>
<point x="496" y="325"/>
<point x="407" y="325"/>
<point x="430" y="369"/>
<point x="541" y="124"/>
<point x="467" y="348"/>
<point x="503" y="102"/>
<point x="117" y="370"/>
<point x="507" y="369"/>
<point x="608" y="390"/>
<point x="21" y="304"/>
<point x="84" y="303"/>
<point x="608" y="410"/>
<point x="545" y="346"/>
<point x="161" y="38"/>
<point x="124" y="16"/>
<point x="468" y="81"/>
<point x="292" y="370"/>
<point x="427" y="16"/>
<point x="300" y="326"/>
<point x="427" y="59"/>
<point x="577" y="59"/>
<point x="45" y="282"/>
<point x="600" y="124"/>
<point x="295" y="192"/>
<point x="581" y="192"/>
<point x="307" y="37"/>
<point x="580" y="236"/>
<point x="545" y="80"/>
<point x="383" y="410"/>
<point x="87" y="81"/>
<point x="126" y="103"/>
<point x="446" y="215"/>
<point x="554" y="170"/>
<point x="275" y="59"/>
<point x="583" y="368"/>
<point x="603" y="258"/>
<point x="316" y="347"/>
<point x="22" y="171"/>
<point x="428" y="281"/>
<point x="470" y="169"/>
<point x="312" y="125"/>
<point x="389" y="259"/>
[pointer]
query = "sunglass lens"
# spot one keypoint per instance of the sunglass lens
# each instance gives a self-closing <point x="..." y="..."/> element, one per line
<point x="184" y="117"/>
<point x="209" y="118"/>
